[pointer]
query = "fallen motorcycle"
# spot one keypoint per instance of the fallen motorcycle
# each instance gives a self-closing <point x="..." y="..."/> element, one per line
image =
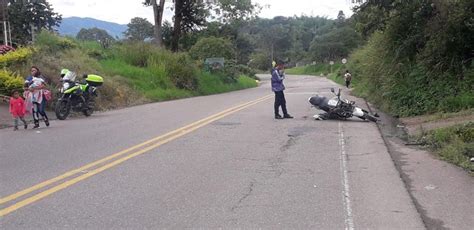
<point x="339" y="108"/>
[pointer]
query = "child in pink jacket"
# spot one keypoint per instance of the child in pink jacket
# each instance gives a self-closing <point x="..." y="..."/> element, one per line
<point x="18" y="109"/>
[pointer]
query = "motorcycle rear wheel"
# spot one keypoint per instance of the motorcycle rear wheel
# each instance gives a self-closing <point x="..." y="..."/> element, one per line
<point x="62" y="109"/>
<point x="90" y="108"/>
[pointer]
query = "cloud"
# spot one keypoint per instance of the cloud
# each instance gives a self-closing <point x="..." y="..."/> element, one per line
<point x="122" y="11"/>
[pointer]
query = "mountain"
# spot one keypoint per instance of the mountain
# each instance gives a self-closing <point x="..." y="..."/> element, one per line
<point x="72" y="25"/>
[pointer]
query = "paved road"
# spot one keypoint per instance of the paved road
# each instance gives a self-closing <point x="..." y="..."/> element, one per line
<point x="218" y="161"/>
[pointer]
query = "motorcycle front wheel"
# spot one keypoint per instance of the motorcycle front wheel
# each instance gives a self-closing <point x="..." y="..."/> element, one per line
<point x="62" y="109"/>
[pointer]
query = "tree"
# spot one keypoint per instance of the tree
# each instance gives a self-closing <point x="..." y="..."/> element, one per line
<point x="158" y="16"/>
<point x="139" y="29"/>
<point x="341" y="17"/>
<point x="191" y="14"/>
<point x="93" y="34"/>
<point x="212" y="47"/>
<point x="336" y="44"/>
<point x="234" y="10"/>
<point x="188" y="14"/>
<point x="28" y="16"/>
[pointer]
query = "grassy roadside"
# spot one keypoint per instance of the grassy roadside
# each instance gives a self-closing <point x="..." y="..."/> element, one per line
<point x="134" y="73"/>
<point x="317" y="69"/>
<point x="334" y="73"/>
<point x="453" y="144"/>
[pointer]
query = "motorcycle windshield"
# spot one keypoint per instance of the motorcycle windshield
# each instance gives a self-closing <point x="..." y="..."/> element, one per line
<point x="70" y="76"/>
<point x="333" y="102"/>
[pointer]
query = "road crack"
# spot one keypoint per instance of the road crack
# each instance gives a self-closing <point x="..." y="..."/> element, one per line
<point x="247" y="193"/>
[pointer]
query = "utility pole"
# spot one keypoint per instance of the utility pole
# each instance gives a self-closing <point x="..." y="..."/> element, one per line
<point x="5" y="32"/>
<point x="272" y="54"/>
<point x="4" y="19"/>
<point x="33" y="36"/>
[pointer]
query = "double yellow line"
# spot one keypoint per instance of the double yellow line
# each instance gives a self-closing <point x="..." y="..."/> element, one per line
<point x="102" y="165"/>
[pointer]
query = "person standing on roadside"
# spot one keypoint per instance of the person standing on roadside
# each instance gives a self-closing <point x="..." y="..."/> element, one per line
<point x="35" y="96"/>
<point x="278" y="75"/>
<point x="348" y="78"/>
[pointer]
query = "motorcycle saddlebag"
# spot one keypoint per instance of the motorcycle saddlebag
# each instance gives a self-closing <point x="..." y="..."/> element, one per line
<point x="94" y="80"/>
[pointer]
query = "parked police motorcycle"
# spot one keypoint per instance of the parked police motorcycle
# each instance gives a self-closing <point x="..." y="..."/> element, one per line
<point x="77" y="96"/>
<point x="339" y="108"/>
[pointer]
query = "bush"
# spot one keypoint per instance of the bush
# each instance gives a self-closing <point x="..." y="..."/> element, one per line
<point x="260" y="61"/>
<point x="212" y="47"/>
<point x="15" y="57"/>
<point x="454" y="144"/>
<point x="9" y="82"/>
<point x="136" y="54"/>
<point x="211" y="84"/>
<point x="182" y="71"/>
<point x="52" y="43"/>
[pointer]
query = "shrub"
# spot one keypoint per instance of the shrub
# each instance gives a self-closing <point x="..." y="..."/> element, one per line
<point x="211" y="84"/>
<point x="15" y="57"/>
<point x="454" y="144"/>
<point x="52" y="43"/>
<point x="182" y="71"/>
<point x="136" y="54"/>
<point x="212" y="47"/>
<point x="260" y="61"/>
<point x="9" y="81"/>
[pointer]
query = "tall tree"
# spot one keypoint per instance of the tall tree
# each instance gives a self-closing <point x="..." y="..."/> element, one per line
<point x="341" y="17"/>
<point x="94" y="34"/>
<point x="232" y="10"/>
<point x="178" y="17"/>
<point x="139" y="29"/>
<point x="158" y="10"/>
<point x="192" y="14"/>
<point x="188" y="14"/>
<point x="28" y="16"/>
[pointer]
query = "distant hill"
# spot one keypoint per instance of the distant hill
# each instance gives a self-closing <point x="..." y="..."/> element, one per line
<point x="72" y="25"/>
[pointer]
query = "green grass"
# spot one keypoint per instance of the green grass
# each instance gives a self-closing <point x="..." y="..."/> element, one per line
<point x="141" y="78"/>
<point x="453" y="144"/>
<point x="317" y="70"/>
<point x="152" y="82"/>
<point x="337" y="78"/>
<point x="89" y="45"/>
<point x="155" y="85"/>
<point x="213" y="84"/>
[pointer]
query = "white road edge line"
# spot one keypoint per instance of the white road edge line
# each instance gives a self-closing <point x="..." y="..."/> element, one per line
<point x="345" y="181"/>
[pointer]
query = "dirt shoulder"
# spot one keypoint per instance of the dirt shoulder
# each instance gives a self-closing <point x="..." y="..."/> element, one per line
<point x="440" y="191"/>
<point x="419" y="124"/>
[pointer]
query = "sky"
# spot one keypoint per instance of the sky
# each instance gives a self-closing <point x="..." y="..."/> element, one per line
<point x="123" y="10"/>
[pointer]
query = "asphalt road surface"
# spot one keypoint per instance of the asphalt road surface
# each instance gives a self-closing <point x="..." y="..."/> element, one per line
<point x="218" y="161"/>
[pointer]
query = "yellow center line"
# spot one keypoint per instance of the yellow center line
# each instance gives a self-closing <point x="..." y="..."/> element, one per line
<point x="98" y="162"/>
<point x="170" y="136"/>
